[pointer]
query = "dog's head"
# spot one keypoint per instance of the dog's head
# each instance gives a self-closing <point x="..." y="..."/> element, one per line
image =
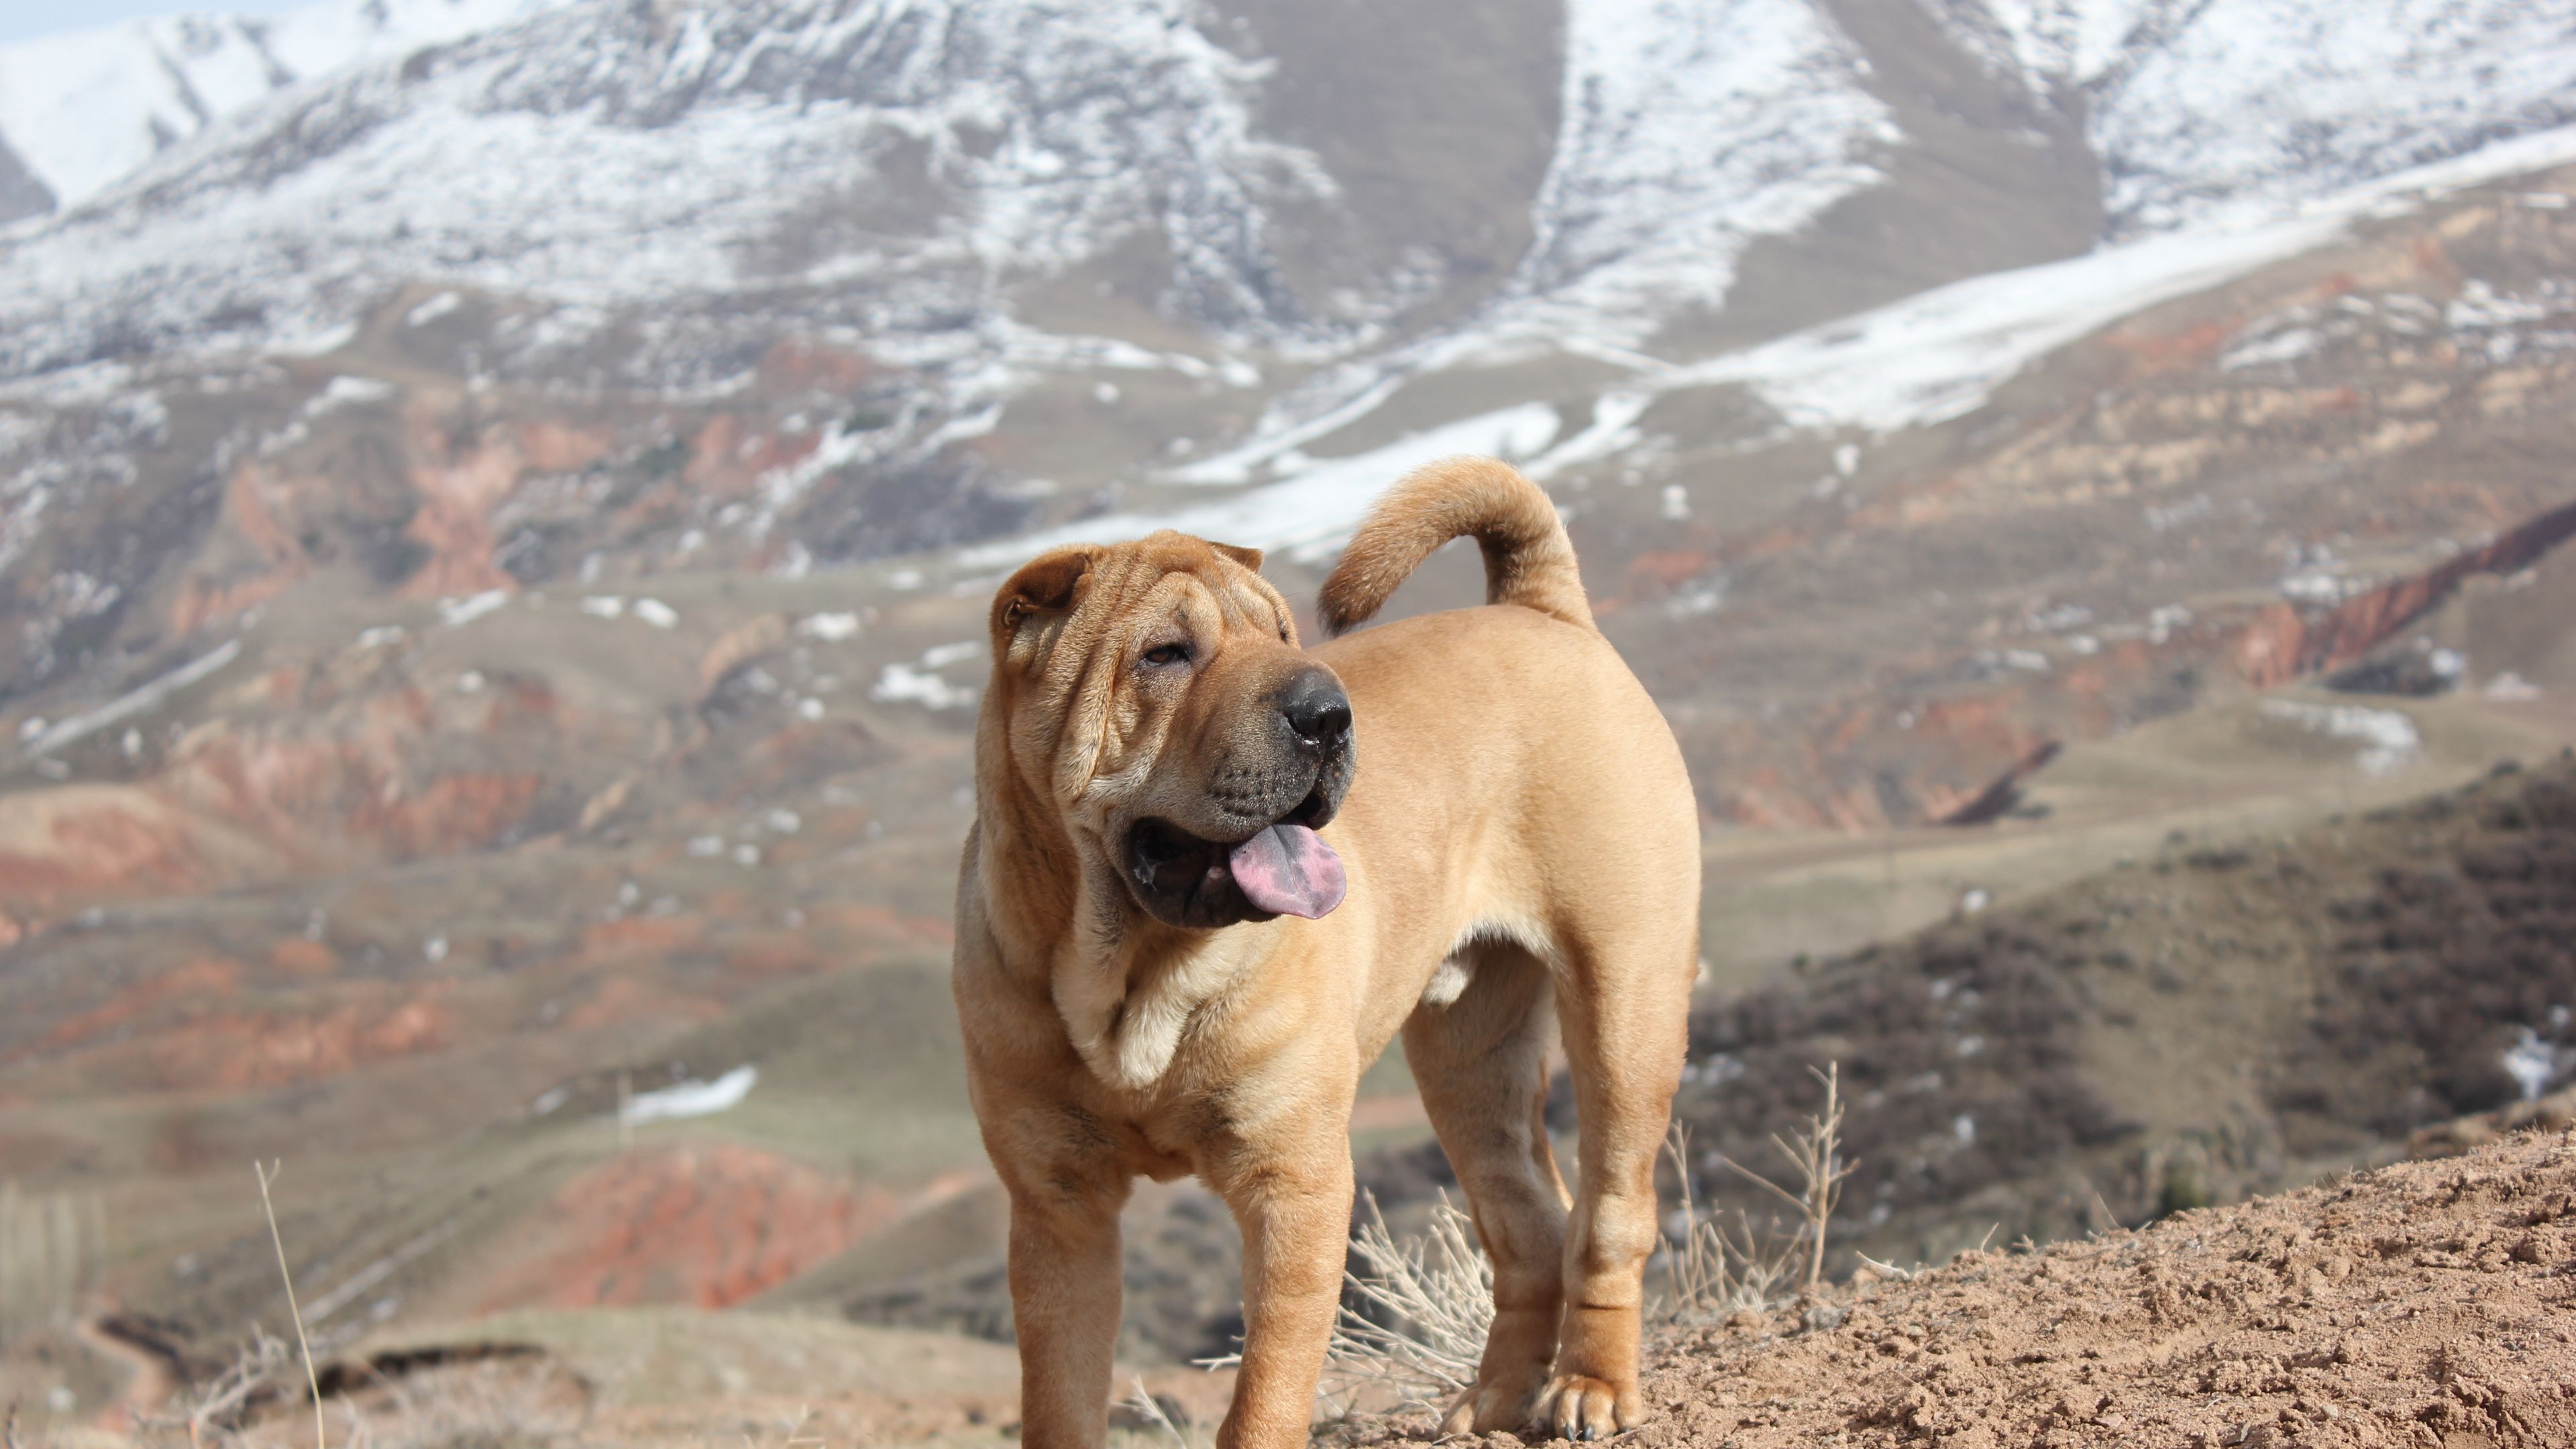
<point x="1153" y="695"/>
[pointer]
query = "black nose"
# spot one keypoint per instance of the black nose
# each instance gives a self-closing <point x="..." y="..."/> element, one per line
<point x="1317" y="711"/>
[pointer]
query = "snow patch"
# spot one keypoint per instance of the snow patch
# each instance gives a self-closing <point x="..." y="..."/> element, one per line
<point x="1612" y="430"/>
<point x="1687" y="133"/>
<point x="45" y="738"/>
<point x="455" y="612"/>
<point x="907" y="684"/>
<point x="830" y="628"/>
<point x="919" y="682"/>
<point x="2530" y="1061"/>
<point x="2287" y="345"/>
<point x="1311" y="513"/>
<point x="2511" y="688"/>
<point x="2388" y="739"/>
<point x="1937" y="355"/>
<point x="691" y="1098"/>
<point x="344" y="390"/>
<point x="433" y="309"/>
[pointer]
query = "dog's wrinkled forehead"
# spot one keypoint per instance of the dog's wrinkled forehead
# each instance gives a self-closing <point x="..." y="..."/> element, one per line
<point x="1172" y="577"/>
<point x="1082" y="600"/>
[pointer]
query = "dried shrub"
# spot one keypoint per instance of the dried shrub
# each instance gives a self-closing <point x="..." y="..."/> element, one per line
<point x="2446" y="963"/>
<point x="1971" y="1022"/>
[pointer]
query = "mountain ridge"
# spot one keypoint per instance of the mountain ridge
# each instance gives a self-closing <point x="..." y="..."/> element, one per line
<point x="80" y="110"/>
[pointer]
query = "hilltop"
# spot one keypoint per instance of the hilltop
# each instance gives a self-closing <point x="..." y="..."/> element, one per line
<point x="2423" y="1303"/>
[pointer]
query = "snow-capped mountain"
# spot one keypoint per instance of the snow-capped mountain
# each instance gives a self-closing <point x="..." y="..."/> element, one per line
<point x="957" y="270"/>
<point x="903" y="158"/>
<point x="82" y="109"/>
<point x="2196" y="110"/>
<point x="895" y="166"/>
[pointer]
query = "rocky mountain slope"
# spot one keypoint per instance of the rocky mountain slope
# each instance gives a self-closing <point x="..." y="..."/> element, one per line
<point x="81" y="110"/>
<point x="600" y="293"/>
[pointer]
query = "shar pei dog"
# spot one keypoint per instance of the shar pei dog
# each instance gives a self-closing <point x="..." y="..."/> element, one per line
<point x="1213" y="873"/>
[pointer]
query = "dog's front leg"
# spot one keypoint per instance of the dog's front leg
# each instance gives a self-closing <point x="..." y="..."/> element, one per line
<point x="1295" y="1211"/>
<point x="1064" y="1304"/>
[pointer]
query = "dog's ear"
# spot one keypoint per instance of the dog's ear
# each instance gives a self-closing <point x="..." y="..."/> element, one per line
<point x="1051" y="583"/>
<point x="1248" y="557"/>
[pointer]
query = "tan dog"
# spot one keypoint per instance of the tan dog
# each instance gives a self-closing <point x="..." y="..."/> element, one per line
<point x="1159" y="970"/>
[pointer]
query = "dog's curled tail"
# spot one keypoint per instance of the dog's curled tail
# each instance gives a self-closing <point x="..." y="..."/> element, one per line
<point x="1528" y="560"/>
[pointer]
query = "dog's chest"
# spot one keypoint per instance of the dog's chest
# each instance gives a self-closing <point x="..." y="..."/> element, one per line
<point x="1164" y="1133"/>
<point x="1128" y="1025"/>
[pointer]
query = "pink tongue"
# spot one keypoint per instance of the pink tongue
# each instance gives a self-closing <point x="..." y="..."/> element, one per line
<point x="1288" y="870"/>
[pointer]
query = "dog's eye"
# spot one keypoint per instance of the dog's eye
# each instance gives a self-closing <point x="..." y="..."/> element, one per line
<point x="1168" y="654"/>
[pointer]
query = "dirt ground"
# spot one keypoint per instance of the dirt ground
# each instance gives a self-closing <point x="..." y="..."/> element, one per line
<point x="2428" y="1303"/>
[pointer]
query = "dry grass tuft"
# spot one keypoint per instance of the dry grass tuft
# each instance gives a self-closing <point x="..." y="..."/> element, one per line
<point x="475" y="1406"/>
<point x="1415" y="1315"/>
<point x="1815" y="1155"/>
<point x="222" y="1402"/>
<point x="485" y="1405"/>
<point x="1710" y="1270"/>
<point x="1424" y="1305"/>
<point x="1413" y="1318"/>
<point x="1149" y="1411"/>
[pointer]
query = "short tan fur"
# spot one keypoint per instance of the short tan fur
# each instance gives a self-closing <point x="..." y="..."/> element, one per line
<point x="1521" y="848"/>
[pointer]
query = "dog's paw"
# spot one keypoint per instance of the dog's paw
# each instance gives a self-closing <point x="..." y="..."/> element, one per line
<point x="1573" y="1406"/>
<point x="1486" y="1408"/>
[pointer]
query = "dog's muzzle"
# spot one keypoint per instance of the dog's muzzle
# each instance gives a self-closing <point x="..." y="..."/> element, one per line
<point x="1278" y="865"/>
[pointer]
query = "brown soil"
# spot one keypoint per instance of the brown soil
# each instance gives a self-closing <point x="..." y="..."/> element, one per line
<point x="2427" y="1303"/>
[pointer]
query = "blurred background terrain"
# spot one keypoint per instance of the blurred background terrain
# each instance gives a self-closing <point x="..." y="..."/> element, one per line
<point x="497" y="500"/>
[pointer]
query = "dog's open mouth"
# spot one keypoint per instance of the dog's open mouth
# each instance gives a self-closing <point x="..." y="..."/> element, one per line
<point x="1282" y="869"/>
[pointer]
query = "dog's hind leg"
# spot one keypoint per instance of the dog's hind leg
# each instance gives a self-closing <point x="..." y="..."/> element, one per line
<point x="1622" y="1006"/>
<point x="1481" y="1064"/>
